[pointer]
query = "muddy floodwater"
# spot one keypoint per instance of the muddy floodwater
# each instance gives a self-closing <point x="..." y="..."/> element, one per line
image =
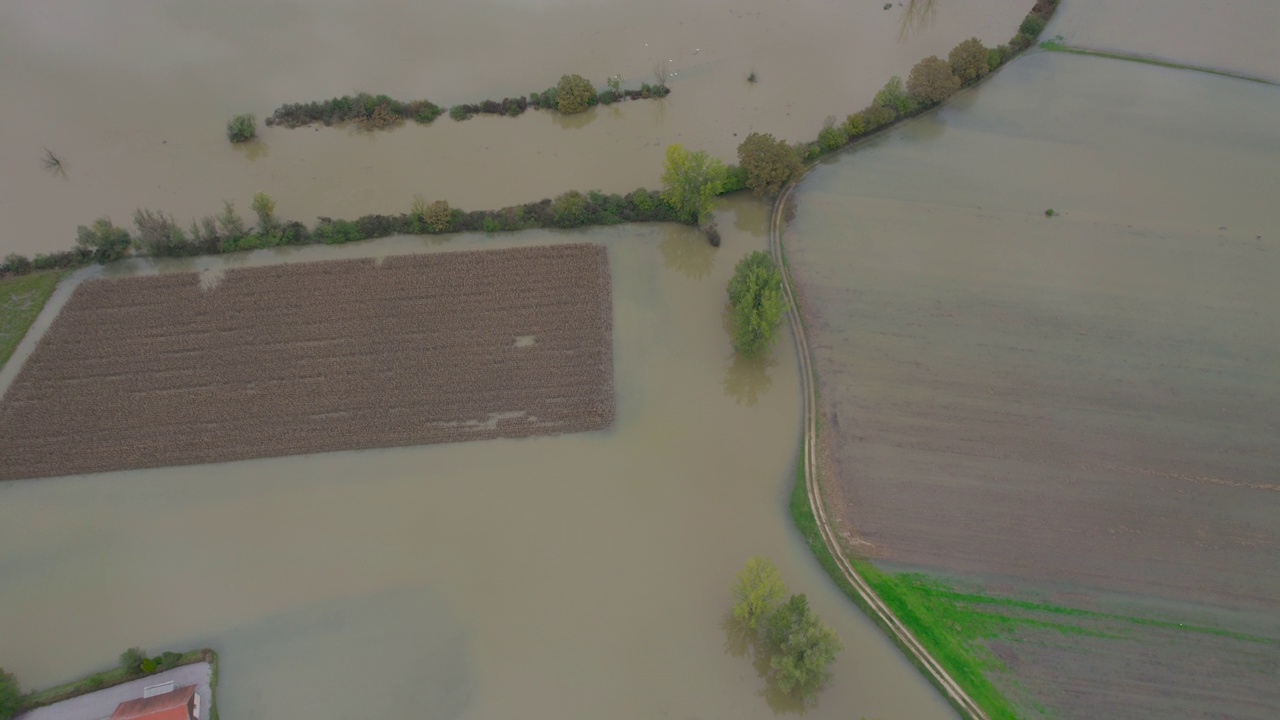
<point x="134" y="96"/>
<point x="1085" y="405"/>
<point x="580" y="576"/>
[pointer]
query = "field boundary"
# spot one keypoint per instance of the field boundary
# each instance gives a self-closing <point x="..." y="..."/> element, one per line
<point x="867" y="597"/>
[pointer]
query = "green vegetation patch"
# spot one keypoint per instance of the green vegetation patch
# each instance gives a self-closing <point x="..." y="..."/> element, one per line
<point x="124" y="672"/>
<point x="21" y="299"/>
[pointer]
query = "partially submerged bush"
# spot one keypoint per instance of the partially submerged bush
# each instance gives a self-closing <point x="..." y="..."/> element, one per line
<point x="159" y="235"/>
<point x="969" y="61"/>
<point x="893" y="96"/>
<point x="931" y="81"/>
<point x="241" y="128"/>
<point x="831" y="137"/>
<point x="1032" y="25"/>
<point x="574" y="94"/>
<point x="438" y="217"/>
<point x="569" y="209"/>
<point x="102" y="241"/>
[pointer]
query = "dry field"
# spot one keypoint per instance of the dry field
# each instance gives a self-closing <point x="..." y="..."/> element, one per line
<point x="290" y="359"/>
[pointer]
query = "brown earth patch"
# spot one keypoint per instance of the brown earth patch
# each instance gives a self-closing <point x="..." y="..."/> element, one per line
<point x="340" y="355"/>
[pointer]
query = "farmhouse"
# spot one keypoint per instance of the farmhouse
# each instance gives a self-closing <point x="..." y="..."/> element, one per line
<point x="177" y="704"/>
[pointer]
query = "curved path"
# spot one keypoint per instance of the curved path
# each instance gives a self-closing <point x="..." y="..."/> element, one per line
<point x="937" y="674"/>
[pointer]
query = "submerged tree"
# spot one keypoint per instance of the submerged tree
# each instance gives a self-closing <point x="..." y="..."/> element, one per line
<point x="755" y="295"/>
<point x="691" y="182"/>
<point x="768" y="162"/>
<point x="804" y="648"/>
<point x="758" y="591"/>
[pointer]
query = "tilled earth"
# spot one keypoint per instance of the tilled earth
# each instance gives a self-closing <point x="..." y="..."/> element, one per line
<point x="302" y="358"/>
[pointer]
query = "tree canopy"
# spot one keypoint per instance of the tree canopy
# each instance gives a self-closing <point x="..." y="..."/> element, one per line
<point x="691" y="182"/>
<point x="758" y="591"/>
<point x="969" y="60"/>
<point x="755" y="295"/>
<point x="574" y="94"/>
<point x="768" y="162"/>
<point x="931" y="80"/>
<point x="803" y="648"/>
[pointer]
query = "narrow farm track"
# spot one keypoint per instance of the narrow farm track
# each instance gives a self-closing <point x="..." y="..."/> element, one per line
<point x="886" y="618"/>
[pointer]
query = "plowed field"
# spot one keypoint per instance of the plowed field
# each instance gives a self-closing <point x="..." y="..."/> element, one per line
<point x="288" y="359"/>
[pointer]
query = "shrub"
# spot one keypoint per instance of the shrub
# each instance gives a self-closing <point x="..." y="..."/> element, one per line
<point x="158" y="234"/>
<point x="167" y="659"/>
<point x="769" y="163"/>
<point x="877" y="116"/>
<point x="735" y="179"/>
<point x="758" y="592"/>
<point x="574" y="94"/>
<point x="423" y="111"/>
<point x="569" y="209"/>
<point x="893" y="96"/>
<point x="1032" y="25"/>
<point x="148" y="665"/>
<point x="968" y="60"/>
<point x="855" y="124"/>
<point x="491" y="224"/>
<point x="641" y="200"/>
<point x="459" y="112"/>
<point x="230" y="224"/>
<point x="17" y="264"/>
<point x="608" y="97"/>
<point x="241" y="128"/>
<point x="931" y="81"/>
<point x="755" y="295"/>
<point x="997" y="56"/>
<point x="803" y="648"/>
<point x="831" y="137"/>
<point x="265" y="208"/>
<point x="102" y="241"/>
<point x="10" y="695"/>
<point x="336" y="232"/>
<point x="438" y="217"/>
<point x="1020" y="42"/>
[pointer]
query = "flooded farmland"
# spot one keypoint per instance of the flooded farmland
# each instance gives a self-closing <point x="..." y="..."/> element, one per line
<point x="134" y="97"/>
<point x="579" y="575"/>
<point x="1082" y="408"/>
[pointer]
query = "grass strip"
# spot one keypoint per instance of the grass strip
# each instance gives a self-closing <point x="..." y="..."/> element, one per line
<point x="116" y="676"/>
<point x="1056" y="45"/>
<point x="21" y="299"/>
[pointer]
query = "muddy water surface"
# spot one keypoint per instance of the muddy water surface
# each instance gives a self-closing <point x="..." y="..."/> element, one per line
<point x="1085" y="406"/>
<point x="134" y="96"/>
<point x="579" y="576"/>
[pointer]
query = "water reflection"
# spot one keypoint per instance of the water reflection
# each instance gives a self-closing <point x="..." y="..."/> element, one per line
<point x="746" y="379"/>
<point x="686" y="252"/>
<point x="575" y="121"/>
<point x="254" y="149"/>
<point x="741" y="641"/>
<point x="916" y="15"/>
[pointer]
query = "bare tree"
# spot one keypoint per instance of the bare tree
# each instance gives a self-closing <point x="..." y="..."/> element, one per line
<point x="661" y="72"/>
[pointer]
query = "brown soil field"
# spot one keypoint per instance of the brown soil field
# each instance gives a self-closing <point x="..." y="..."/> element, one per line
<point x="303" y="358"/>
<point x="1080" y="410"/>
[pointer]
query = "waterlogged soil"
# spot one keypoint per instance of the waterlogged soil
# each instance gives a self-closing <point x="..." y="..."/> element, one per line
<point x="162" y="78"/>
<point x="337" y="355"/>
<point x="1237" y="36"/>
<point x="580" y="575"/>
<point x="1086" y="406"/>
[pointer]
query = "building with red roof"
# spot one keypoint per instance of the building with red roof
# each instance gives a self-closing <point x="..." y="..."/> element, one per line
<point x="178" y="704"/>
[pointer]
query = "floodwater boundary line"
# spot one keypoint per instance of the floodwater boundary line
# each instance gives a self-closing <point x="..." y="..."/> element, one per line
<point x="1055" y="46"/>
<point x="868" y="599"/>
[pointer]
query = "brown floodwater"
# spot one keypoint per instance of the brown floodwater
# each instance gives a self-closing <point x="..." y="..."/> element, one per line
<point x="1084" y="407"/>
<point x="134" y="97"/>
<point x="578" y="576"/>
<point x="1237" y="36"/>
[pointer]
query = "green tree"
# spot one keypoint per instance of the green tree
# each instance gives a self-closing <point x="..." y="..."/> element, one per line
<point x="10" y="695"/>
<point x="691" y="182"/>
<point x="894" y="97"/>
<point x="104" y="241"/>
<point x="758" y="591"/>
<point x="803" y="646"/>
<point x="931" y="81"/>
<point x="569" y="209"/>
<point x="755" y="294"/>
<point x="969" y="60"/>
<point x="574" y="94"/>
<point x="769" y="163"/>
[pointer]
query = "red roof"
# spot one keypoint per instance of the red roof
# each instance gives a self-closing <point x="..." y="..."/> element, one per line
<point x="169" y="706"/>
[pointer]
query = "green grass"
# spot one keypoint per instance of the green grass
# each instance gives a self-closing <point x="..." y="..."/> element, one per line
<point x="116" y="676"/>
<point x="21" y="299"/>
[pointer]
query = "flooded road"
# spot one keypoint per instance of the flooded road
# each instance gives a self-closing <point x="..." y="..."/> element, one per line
<point x="1081" y="407"/>
<point x="134" y="97"/>
<point x="579" y="576"/>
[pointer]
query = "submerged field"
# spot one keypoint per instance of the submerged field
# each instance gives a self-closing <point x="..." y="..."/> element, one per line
<point x="178" y="369"/>
<point x="1076" y="411"/>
